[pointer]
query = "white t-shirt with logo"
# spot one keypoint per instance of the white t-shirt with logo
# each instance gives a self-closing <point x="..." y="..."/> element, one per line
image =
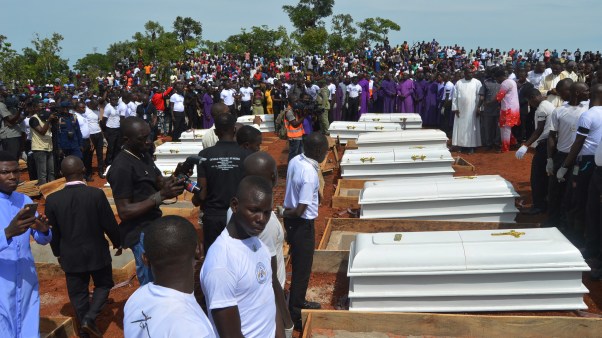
<point x="246" y="93"/>
<point x="178" y="102"/>
<point x="564" y="122"/>
<point x="354" y="90"/>
<point x="160" y="312"/>
<point x="227" y="95"/>
<point x="273" y="237"/>
<point x="112" y="116"/>
<point x="238" y="273"/>
<point x="590" y="126"/>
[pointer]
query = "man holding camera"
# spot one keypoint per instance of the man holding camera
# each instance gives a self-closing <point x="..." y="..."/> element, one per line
<point x="41" y="144"/>
<point x="138" y="189"/>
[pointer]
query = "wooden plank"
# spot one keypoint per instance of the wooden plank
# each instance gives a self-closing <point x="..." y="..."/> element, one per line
<point x="351" y="145"/>
<point x="347" y="193"/>
<point x="51" y="270"/>
<point x="452" y="325"/>
<point x="50" y="187"/>
<point x="307" y="325"/>
<point x="326" y="236"/>
<point x="460" y="164"/>
<point x="57" y="327"/>
<point x="29" y="188"/>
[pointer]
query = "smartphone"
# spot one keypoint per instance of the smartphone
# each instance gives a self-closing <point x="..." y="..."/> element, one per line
<point x="31" y="210"/>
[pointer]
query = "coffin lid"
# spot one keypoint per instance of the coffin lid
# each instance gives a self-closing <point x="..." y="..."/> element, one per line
<point x="466" y="252"/>
<point x="396" y="155"/>
<point x="179" y="147"/>
<point x="431" y="190"/>
<point x="400" y="136"/>
<point x="344" y="125"/>
<point x="391" y="117"/>
<point x="194" y="133"/>
<point x="436" y="179"/>
<point x="245" y="119"/>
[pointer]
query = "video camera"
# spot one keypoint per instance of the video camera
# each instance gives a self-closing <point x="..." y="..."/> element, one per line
<point x="182" y="171"/>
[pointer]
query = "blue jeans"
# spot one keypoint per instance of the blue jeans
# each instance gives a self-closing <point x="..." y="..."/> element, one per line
<point x="143" y="272"/>
<point x="295" y="147"/>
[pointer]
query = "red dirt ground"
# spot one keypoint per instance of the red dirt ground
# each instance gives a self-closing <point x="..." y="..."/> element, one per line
<point x="54" y="300"/>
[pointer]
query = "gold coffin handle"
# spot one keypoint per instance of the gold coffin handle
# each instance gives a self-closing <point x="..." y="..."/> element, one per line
<point x="350" y="127"/>
<point x="174" y="151"/>
<point x="167" y="172"/>
<point x="513" y="233"/>
<point x="418" y="157"/>
<point x="397" y="237"/>
<point x="375" y="119"/>
<point x="379" y="128"/>
<point x="367" y="159"/>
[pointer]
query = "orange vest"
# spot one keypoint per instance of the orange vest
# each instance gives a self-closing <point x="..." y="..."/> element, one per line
<point x="293" y="132"/>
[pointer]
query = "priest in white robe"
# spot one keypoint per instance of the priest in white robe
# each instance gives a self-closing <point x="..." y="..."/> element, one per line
<point x="465" y="101"/>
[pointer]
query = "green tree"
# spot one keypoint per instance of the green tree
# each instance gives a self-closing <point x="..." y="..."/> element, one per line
<point x="376" y="29"/>
<point x="260" y="40"/>
<point x="46" y="63"/>
<point x="8" y="58"/>
<point x="313" y="40"/>
<point x="187" y="29"/>
<point x="94" y="61"/>
<point x="122" y="51"/>
<point x="308" y="14"/>
<point x="343" y="33"/>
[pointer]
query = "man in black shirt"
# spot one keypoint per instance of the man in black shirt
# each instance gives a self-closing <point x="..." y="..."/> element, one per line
<point x="147" y="111"/>
<point x="81" y="216"/>
<point x="138" y="189"/>
<point x="219" y="172"/>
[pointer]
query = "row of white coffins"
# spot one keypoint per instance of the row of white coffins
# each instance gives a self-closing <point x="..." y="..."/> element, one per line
<point x="371" y="123"/>
<point x="266" y="125"/>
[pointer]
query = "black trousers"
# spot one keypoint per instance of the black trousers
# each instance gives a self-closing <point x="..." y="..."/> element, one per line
<point x="96" y="141"/>
<point x="179" y="125"/>
<point x="213" y="225"/>
<point x="79" y="295"/>
<point x="578" y="198"/>
<point x="300" y="234"/>
<point x="539" y="177"/>
<point x="245" y="107"/>
<point x="113" y="136"/>
<point x="87" y="154"/>
<point x="353" y="104"/>
<point x="593" y="231"/>
<point x="557" y="198"/>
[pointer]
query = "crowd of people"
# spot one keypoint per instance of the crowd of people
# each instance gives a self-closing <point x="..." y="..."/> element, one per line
<point x="546" y="100"/>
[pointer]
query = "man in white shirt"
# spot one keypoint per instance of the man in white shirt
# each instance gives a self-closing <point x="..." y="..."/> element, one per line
<point x="300" y="211"/>
<point x="236" y="276"/>
<point x="594" y="225"/>
<point x="80" y="109"/>
<point x="246" y="94"/>
<point x="92" y="116"/>
<point x="113" y="129"/>
<point x="563" y="130"/>
<point x="538" y="140"/>
<point x="176" y="106"/>
<point x="227" y="96"/>
<point x="354" y="91"/>
<point x="536" y="75"/>
<point x="167" y="307"/>
<point x="580" y="160"/>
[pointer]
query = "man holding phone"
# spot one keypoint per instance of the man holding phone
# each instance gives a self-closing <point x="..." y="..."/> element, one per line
<point x="19" y="298"/>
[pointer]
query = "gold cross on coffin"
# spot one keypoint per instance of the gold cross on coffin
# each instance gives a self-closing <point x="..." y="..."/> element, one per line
<point x="512" y="233"/>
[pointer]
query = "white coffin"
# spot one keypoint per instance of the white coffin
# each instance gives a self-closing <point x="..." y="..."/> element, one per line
<point x="351" y="130"/>
<point x="177" y="151"/>
<point x="410" y="120"/>
<point x="459" y="271"/>
<point x="193" y="135"/>
<point x="167" y="167"/>
<point x="395" y="164"/>
<point x="410" y="138"/>
<point x="267" y="122"/>
<point x="475" y="198"/>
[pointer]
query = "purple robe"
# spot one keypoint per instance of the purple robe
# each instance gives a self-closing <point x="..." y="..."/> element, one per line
<point x="389" y="91"/>
<point x="377" y="98"/>
<point x="405" y="100"/>
<point x="207" y="118"/>
<point x="420" y="96"/>
<point x="431" y="104"/>
<point x="365" y="97"/>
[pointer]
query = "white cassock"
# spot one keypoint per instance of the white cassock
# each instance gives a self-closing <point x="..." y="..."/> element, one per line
<point x="467" y="129"/>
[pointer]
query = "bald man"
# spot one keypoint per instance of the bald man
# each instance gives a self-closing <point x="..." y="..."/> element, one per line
<point x="81" y="216"/>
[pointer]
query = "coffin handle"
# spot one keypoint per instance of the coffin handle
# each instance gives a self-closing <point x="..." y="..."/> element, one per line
<point x="375" y="119"/>
<point x="418" y="157"/>
<point x="367" y="159"/>
<point x="379" y="128"/>
<point x="174" y="151"/>
<point x="350" y="127"/>
<point x="513" y="233"/>
<point x="167" y="172"/>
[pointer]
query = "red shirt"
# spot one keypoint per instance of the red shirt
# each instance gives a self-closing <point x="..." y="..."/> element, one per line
<point x="158" y="99"/>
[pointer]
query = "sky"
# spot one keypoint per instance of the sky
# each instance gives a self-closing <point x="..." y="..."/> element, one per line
<point x="93" y="25"/>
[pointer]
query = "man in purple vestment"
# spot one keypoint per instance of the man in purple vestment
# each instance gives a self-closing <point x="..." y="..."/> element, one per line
<point x="207" y="103"/>
<point x="365" y="96"/>
<point x="420" y="86"/>
<point x="389" y="92"/>
<point x="339" y="101"/>
<point x="431" y="103"/>
<point x="405" y="94"/>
